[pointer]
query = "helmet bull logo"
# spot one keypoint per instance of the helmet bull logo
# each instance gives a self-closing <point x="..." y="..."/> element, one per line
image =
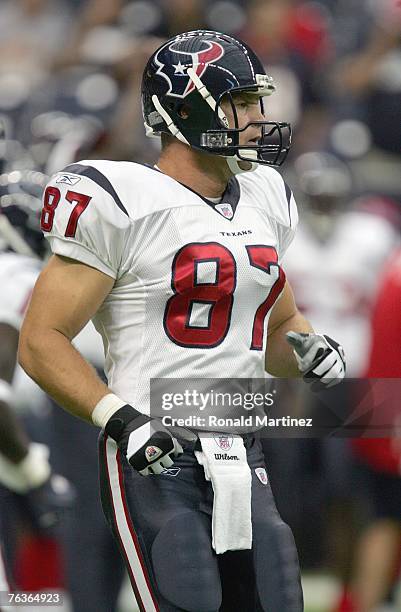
<point x="174" y="70"/>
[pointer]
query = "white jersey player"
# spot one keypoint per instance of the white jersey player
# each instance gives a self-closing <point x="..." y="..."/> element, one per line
<point x="192" y="279"/>
<point x="18" y="275"/>
<point x="179" y="267"/>
<point x="24" y="465"/>
<point x="336" y="293"/>
<point x="348" y="244"/>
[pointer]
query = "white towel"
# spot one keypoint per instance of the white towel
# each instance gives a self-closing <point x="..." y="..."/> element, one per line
<point x="223" y="458"/>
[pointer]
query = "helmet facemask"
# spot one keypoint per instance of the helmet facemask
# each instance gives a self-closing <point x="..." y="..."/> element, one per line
<point x="270" y="149"/>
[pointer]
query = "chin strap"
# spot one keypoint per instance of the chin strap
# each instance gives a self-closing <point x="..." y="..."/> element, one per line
<point x="234" y="162"/>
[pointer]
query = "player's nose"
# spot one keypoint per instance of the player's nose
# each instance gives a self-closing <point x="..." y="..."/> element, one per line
<point x="256" y="113"/>
<point x="255" y="131"/>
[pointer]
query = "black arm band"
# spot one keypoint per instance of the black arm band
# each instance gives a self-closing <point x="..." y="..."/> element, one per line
<point x="120" y="419"/>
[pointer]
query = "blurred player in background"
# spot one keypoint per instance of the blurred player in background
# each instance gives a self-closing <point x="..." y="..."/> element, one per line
<point x="42" y="496"/>
<point x="344" y="236"/>
<point x="180" y="267"/>
<point x="89" y="564"/>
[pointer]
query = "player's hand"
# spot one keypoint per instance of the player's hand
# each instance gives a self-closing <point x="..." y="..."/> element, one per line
<point x="42" y="495"/>
<point x="46" y="505"/>
<point x="320" y="359"/>
<point x="146" y="443"/>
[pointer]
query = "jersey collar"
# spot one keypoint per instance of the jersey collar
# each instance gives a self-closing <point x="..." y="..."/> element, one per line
<point x="228" y="204"/>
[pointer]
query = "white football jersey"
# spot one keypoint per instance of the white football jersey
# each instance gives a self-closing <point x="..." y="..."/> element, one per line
<point x="194" y="281"/>
<point x="18" y="275"/>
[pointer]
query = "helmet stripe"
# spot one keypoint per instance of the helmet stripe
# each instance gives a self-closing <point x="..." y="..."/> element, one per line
<point x="168" y="120"/>
<point x="206" y="95"/>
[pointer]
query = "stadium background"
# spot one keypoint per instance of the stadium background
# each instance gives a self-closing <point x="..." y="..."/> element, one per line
<point x="69" y="89"/>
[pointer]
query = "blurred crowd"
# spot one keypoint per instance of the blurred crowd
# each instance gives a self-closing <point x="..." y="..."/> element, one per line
<point x="70" y="80"/>
<point x="71" y="71"/>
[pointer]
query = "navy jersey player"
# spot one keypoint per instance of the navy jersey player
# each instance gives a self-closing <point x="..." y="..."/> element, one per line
<point x="179" y="266"/>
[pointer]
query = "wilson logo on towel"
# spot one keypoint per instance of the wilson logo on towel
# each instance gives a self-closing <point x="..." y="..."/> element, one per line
<point x="225" y="457"/>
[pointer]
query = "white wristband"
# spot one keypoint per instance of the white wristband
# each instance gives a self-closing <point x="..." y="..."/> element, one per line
<point x="108" y="405"/>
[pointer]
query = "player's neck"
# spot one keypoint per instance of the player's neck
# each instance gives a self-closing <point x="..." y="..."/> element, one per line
<point x="206" y="174"/>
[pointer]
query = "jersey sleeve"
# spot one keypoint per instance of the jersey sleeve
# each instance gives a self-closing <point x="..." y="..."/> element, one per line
<point x="84" y="219"/>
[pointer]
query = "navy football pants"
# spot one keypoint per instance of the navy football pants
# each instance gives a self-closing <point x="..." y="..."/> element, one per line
<point x="163" y="527"/>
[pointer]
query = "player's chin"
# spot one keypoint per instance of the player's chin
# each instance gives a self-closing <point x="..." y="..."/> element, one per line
<point x="245" y="165"/>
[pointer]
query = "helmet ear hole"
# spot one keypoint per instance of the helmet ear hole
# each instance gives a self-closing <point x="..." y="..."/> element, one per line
<point x="184" y="111"/>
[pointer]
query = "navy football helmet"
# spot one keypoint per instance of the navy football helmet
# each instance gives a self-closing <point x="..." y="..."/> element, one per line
<point x="20" y="199"/>
<point x="184" y="84"/>
<point x="20" y="207"/>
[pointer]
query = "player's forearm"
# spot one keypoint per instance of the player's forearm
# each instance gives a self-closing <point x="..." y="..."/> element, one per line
<point x="51" y="360"/>
<point x="280" y="359"/>
<point x="13" y="440"/>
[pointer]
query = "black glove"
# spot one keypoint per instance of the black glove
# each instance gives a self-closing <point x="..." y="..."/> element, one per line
<point x="46" y="505"/>
<point x="145" y="442"/>
<point x="320" y="359"/>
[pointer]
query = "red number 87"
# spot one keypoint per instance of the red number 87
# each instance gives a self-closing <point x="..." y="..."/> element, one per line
<point x="218" y="295"/>
<point x="51" y="200"/>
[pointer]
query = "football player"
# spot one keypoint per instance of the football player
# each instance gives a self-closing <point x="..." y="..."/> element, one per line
<point x="24" y="465"/>
<point x="345" y="236"/>
<point x="179" y="268"/>
<point x="40" y="495"/>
